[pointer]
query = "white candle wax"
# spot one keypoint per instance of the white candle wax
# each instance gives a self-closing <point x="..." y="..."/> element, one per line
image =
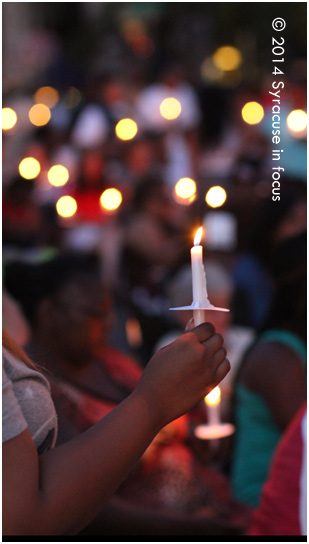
<point x="198" y="275"/>
<point x="199" y="289"/>
<point x="213" y="414"/>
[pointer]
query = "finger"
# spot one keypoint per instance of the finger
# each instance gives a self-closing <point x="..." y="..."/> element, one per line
<point x="223" y="370"/>
<point x="204" y="331"/>
<point x="219" y="356"/>
<point x="214" y="342"/>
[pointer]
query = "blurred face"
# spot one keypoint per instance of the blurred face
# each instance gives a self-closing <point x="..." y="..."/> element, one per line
<point x="82" y="321"/>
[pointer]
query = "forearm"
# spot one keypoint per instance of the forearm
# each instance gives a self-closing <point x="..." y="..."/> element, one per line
<point x="89" y="468"/>
<point x="61" y="491"/>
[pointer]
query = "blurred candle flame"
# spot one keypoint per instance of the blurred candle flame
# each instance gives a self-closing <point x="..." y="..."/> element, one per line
<point x="213" y="398"/>
<point x="198" y="236"/>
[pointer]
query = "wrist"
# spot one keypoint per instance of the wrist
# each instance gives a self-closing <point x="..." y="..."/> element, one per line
<point x="148" y="409"/>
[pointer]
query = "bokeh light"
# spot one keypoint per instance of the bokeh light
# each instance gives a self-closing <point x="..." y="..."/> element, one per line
<point x="111" y="199"/>
<point x="297" y="120"/>
<point x="143" y="47"/>
<point x="9" y="118"/>
<point x="58" y="175"/>
<point x="39" y="115"/>
<point x="215" y="197"/>
<point x="252" y="113"/>
<point x="72" y="98"/>
<point x="227" y="58"/>
<point x="29" y="168"/>
<point x="185" y="191"/>
<point x="66" y="206"/>
<point x="170" y="108"/>
<point x="47" y="96"/>
<point x="132" y="28"/>
<point x="126" y="129"/>
<point x="210" y="72"/>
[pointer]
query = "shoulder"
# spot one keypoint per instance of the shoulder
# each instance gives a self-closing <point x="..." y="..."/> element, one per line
<point x="271" y="360"/>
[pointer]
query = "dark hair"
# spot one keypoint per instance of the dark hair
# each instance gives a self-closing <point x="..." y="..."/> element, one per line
<point x="269" y="217"/>
<point x="289" y="271"/>
<point x="29" y="283"/>
<point x="147" y="189"/>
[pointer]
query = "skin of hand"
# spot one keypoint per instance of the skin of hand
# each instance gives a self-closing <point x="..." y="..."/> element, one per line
<point x="61" y="491"/>
<point x="175" y="384"/>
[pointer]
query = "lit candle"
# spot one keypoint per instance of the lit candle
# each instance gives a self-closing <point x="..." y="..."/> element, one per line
<point x="212" y="401"/>
<point x="199" y="288"/>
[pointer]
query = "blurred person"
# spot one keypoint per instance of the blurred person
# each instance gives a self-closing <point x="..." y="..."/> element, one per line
<point x="154" y="243"/>
<point x="107" y="103"/>
<point x="181" y="141"/>
<point x="167" y="491"/>
<point x="21" y="216"/>
<point x="170" y="83"/>
<point x="90" y="184"/>
<point x="283" y="506"/>
<point x="273" y="222"/>
<point x="13" y="320"/>
<point x="271" y="383"/>
<point x="144" y="156"/>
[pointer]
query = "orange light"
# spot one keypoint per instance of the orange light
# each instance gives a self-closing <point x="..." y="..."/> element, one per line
<point x="29" y="168"/>
<point x="58" y="175"/>
<point x="111" y="199"/>
<point x="39" y="115"/>
<point x="227" y="58"/>
<point x="213" y="398"/>
<point x="297" y="120"/>
<point x="9" y="118"/>
<point x="126" y="129"/>
<point x="66" y="206"/>
<point x="47" y="96"/>
<point x="185" y="188"/>
<point x="215" y="197"/>
<point x="252" y="113"/>
<point x="198" y="236"/>
<point x="170" y="108"/>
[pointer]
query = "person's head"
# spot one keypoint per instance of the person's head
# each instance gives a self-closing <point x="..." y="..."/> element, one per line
<point x="289" y="272"/>
<point x="92" y="169"/>
<point x="141" y="156"/>
<point x="20" y="191"/>
<point x="154" y="197"/>
<point x="65" y="303"/>
<point x="277" y="221"/>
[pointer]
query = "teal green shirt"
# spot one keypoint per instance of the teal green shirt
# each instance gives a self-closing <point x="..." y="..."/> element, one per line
<point x="257" y="434"/>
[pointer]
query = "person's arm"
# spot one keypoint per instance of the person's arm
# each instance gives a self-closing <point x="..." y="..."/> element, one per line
<point x="275" y="372"/>
<point x="61" y="491"/>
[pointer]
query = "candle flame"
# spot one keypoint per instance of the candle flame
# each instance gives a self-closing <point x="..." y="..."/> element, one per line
<point x="198" y="236"/>
<point x="213" y="397"/>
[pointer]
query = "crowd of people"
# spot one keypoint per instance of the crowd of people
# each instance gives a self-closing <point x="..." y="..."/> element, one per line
<point x="88" y="298"/>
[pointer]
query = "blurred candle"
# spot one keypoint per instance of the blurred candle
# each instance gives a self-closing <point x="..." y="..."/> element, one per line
<point x="199" y="289"/>
<point x="212" y="401"/>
